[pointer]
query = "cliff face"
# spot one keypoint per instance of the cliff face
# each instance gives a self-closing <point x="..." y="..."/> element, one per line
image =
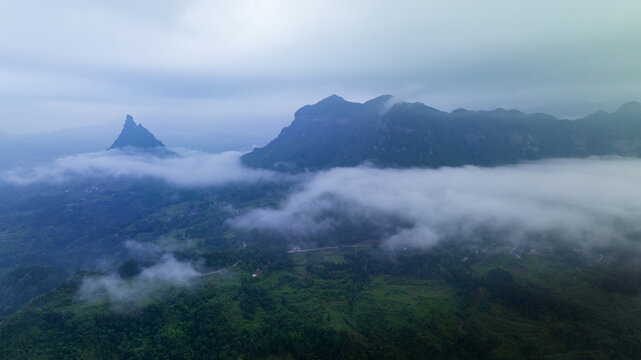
<point x="335" y="132"/>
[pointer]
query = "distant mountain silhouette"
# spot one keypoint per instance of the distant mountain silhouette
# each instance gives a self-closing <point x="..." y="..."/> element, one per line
<point x="135" y="138"/>
<point x="335" y="132"/>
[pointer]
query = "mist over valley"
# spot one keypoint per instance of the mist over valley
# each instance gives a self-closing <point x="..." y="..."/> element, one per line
<point x="320" y="180"/>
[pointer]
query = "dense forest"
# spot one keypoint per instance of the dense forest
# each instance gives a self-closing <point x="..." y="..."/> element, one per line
<point x="88" y="265"/>
<point x="350" y="303"/>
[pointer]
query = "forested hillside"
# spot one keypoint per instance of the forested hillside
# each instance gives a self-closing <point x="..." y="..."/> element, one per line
<point x="335" y="132"/>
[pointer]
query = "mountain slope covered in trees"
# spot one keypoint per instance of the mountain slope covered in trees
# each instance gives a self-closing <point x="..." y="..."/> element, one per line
<point x="335" y="132"/>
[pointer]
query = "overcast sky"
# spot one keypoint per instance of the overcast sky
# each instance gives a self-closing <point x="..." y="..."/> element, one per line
<point x="246" y="66"/>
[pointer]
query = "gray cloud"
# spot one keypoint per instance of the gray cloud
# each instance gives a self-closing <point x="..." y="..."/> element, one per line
<point x="591" y="201"/>
<point x="168" y="272"/>
<point x="143" y="250"/>
<point x="251" y="64"/>
<point x="192" y="169"/>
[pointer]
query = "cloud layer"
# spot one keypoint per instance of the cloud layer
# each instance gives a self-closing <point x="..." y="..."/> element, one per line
<point x="168" y="272"/>
<point x="590" y="201"/>
<point x="238" y="65"/>
<point x="192" y="169"/>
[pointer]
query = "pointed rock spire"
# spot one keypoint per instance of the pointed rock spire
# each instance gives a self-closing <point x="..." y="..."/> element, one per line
<point x="135" y="136"/>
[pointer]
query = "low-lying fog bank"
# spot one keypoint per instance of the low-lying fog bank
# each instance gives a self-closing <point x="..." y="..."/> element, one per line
<point x="191" y="169"/>
<point x="593" y="201"/>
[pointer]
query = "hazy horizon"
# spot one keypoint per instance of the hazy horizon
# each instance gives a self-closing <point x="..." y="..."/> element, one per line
<point x="115" y="125"/>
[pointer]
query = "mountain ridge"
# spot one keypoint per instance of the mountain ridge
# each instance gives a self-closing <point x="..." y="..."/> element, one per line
<point x="336" y="132"/>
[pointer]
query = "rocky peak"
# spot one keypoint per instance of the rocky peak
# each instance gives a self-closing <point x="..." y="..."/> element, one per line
<point x="135" y="136"/>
